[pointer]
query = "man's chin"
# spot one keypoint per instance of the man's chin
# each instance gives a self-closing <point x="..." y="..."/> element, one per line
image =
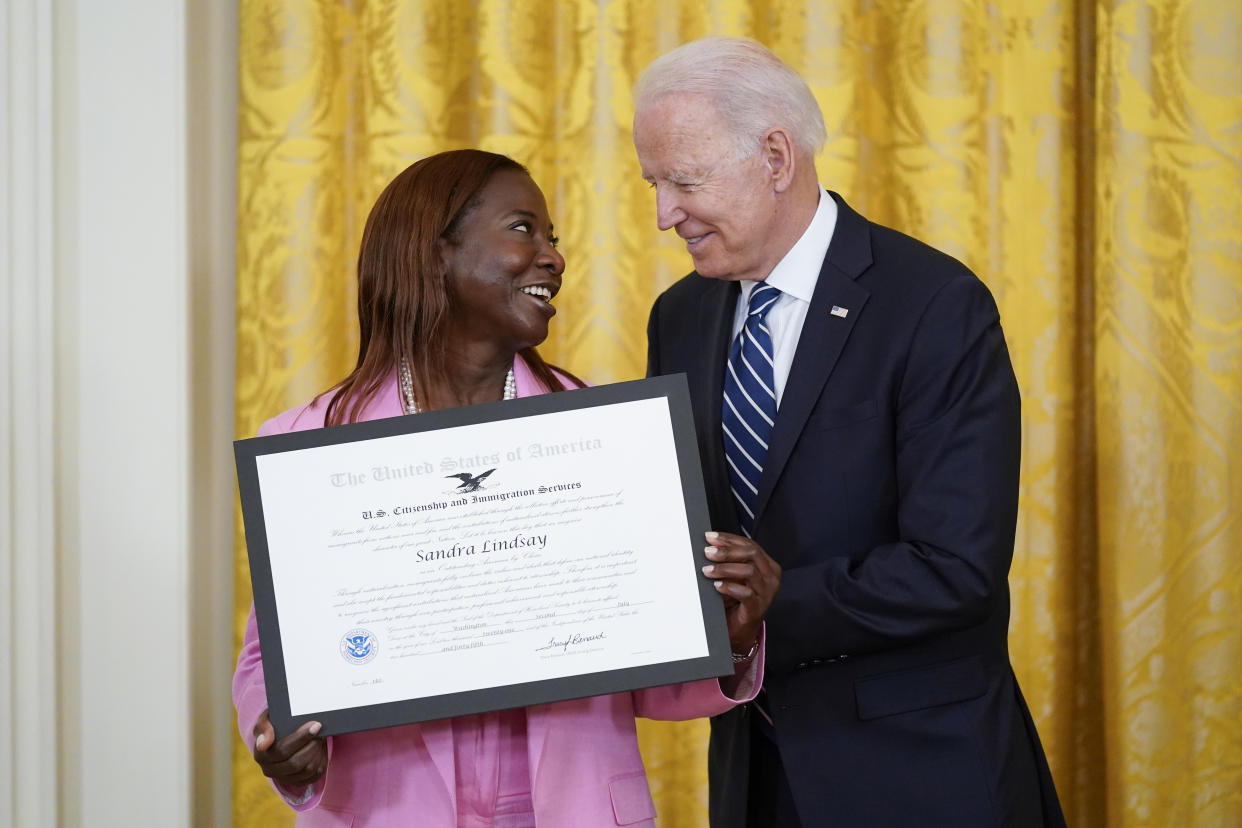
<point x="707" y="271"/>
<point x="705" y="266"/>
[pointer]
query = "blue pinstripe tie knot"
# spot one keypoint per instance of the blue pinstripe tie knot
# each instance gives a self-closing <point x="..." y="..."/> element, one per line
<point x="749" y="408"/>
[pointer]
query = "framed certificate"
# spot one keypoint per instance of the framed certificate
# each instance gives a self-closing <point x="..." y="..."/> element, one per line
<point x="481" y="558"/>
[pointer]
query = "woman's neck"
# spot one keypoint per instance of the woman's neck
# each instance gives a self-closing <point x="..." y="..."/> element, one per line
<point x="469" y="379"/>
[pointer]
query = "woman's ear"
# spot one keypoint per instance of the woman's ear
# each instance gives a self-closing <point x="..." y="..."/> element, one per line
<point x="447" y="251"/>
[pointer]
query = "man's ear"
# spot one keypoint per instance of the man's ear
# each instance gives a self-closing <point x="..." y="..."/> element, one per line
<point x="778" y="153"/>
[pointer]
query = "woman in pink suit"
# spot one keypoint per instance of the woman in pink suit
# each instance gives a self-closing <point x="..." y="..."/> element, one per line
<point x="456" y="273"/>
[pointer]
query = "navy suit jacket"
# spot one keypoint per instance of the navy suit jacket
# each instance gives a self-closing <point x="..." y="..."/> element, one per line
<point x="889" y="497"/>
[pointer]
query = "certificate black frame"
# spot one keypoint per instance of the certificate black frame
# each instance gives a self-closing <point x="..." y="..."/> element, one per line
<point x="718" y="662"/>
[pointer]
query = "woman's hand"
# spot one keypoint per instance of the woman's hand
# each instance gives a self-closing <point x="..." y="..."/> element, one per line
<point x="747" y="579"/>
<point x="295" y="761"/>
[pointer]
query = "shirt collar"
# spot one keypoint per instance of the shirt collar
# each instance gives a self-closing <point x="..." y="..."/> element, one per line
<point x="797" y="273"/>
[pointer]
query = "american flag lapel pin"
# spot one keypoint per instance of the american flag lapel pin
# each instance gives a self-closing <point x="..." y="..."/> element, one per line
<point x="837" y="310"/>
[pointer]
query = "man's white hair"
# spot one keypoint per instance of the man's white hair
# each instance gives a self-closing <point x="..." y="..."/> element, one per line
<point x="751" y="88"/>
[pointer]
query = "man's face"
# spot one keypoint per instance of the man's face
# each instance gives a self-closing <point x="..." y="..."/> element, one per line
<point x="723" y="206"/>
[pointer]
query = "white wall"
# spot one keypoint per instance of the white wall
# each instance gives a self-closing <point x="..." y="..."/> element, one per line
<point x="116" y="370"/>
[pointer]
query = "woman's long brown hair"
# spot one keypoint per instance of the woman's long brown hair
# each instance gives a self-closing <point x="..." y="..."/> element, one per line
<point x="403" y="294"/>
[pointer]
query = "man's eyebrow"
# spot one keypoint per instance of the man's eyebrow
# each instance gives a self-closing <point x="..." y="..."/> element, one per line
<point x="676" y="177"/>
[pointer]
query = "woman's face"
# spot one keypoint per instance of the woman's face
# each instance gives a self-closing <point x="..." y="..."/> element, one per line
<point x="503" y="267"/>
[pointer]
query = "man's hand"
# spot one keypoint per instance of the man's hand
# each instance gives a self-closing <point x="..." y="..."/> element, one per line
<point x="747" y="579"/>
<point x="295" y="761"/>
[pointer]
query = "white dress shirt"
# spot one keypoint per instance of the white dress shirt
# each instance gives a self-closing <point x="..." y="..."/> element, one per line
<point x="795" y="276"/>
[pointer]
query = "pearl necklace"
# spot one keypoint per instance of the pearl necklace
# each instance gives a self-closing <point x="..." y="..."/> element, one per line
<point x="407" y="388"/>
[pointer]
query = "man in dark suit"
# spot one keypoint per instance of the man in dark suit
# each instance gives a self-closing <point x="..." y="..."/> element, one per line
<point x="860" y="425"/>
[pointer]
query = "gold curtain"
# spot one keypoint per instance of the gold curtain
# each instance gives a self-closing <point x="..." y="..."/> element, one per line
<point x="1084" y="158"/>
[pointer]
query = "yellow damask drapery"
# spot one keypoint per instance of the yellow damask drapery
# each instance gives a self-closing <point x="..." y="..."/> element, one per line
<point x="1084" y="158"/>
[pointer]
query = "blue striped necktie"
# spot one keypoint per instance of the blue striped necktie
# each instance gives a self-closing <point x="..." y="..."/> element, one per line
<point x="750" y="403"/>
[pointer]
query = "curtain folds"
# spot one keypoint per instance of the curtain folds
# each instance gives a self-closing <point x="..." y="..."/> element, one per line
<point x="1085" y="159"/>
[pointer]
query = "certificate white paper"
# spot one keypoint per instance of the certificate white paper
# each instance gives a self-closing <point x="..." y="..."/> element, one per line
<point x="514" y="553"/>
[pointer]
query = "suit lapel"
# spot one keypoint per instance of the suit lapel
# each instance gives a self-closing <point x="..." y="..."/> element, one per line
<point x="387" y="401"/>
<point x="715" y="320"/>
<point x="438" y="738"/>
<point x="823" y="337"/>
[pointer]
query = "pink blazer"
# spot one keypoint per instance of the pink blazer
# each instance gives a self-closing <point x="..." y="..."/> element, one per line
<point x="586" y="770"/>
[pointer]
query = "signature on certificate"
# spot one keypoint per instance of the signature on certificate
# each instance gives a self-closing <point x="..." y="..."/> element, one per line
<point x="571" y="640"/>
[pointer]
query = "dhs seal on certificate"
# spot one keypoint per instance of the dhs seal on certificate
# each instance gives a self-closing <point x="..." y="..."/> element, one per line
<point x="359" y="646"/>
<point x="481" y="558"/>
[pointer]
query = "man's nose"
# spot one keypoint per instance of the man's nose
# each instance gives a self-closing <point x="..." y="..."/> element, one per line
<point x="669" y="212"/>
